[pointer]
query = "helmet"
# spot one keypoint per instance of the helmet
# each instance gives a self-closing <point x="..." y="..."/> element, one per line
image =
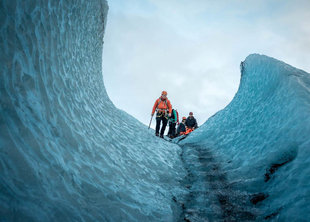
<point x="183" y="118"/>
<point x="164" y="93"/>
<point x="191" y="113"/>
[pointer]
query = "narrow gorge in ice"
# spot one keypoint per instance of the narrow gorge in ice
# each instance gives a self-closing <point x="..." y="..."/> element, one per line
<point x="68" y="154"/>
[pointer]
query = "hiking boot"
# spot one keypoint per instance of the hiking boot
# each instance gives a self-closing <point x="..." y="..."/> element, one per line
<point x="161" y="136"/>
<point x="156" y="134"/>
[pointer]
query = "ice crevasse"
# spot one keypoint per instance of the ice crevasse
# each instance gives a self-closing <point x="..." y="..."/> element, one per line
<point x="68" y="154"/>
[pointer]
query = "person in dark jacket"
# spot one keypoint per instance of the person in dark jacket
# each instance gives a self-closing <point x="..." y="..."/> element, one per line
<point x="173" y="119"/>
<point x="191" y="121"/>
<point x="181" y="128"/>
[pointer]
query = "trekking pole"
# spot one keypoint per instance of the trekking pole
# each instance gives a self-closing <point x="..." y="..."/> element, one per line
<point x="150" y="122"/>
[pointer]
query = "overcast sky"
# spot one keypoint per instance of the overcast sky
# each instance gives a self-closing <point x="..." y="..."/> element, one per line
<point x="193" y="49"/>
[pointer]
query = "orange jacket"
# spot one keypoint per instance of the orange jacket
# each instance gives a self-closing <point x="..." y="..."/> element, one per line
<point x="161" y="104"/>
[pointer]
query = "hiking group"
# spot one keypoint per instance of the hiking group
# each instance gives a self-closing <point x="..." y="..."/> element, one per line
<point x="165" y="113"/>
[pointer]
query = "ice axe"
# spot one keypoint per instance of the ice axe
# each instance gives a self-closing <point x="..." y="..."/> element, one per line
<point x="150" y="122"/>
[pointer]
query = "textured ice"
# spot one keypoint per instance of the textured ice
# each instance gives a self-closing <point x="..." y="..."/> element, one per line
<point x="66" y="153"/>
<point x="261" y="139"/>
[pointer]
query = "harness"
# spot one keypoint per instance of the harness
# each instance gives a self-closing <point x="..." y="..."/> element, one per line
<point x="162" y="112"/>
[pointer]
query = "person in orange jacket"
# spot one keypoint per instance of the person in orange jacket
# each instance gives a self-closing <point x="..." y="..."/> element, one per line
<point x="163" y="109"/>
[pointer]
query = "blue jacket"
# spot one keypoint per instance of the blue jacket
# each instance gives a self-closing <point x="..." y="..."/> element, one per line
<point x="191" y="122"/>
<point x="181" y="128"/>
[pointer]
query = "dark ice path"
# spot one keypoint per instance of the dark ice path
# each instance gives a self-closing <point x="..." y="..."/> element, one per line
<point x="210" y="196"/>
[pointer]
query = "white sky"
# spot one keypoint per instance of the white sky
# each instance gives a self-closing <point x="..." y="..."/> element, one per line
<point x="193" y="49"/>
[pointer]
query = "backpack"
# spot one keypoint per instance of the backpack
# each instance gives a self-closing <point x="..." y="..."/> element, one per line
<point x="175" y="117"/>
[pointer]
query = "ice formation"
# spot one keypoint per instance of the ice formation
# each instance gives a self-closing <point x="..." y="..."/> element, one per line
<point x="261" y="139"/>
<point x="68" y="154"/>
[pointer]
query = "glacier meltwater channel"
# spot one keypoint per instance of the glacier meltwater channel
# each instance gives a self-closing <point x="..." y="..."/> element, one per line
<point x="68" y="154"/>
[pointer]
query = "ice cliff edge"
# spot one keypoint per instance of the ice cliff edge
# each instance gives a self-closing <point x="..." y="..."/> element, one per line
<point x="66" y="152"/>
<point x="262" y="136"/>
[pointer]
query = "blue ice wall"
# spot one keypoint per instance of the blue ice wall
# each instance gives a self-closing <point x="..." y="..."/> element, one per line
<point x="261" y="140"/>
<point x="66" y="153"/>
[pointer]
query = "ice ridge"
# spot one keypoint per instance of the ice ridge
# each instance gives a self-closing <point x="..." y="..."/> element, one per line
<point x="262" y="137"/>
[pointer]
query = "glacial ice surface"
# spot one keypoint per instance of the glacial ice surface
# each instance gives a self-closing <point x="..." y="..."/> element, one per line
<point x="261" y="139"/>
<point x="68" y="154"/>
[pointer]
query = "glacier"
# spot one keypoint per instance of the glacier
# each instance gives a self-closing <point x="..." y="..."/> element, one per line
<point x="261" y="143"/>
<point x="68" y="154"/>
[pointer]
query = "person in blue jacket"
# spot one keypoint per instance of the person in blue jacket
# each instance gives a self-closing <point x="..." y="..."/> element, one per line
<point x="191" y="121"/>
<point x="181" y="128"/>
